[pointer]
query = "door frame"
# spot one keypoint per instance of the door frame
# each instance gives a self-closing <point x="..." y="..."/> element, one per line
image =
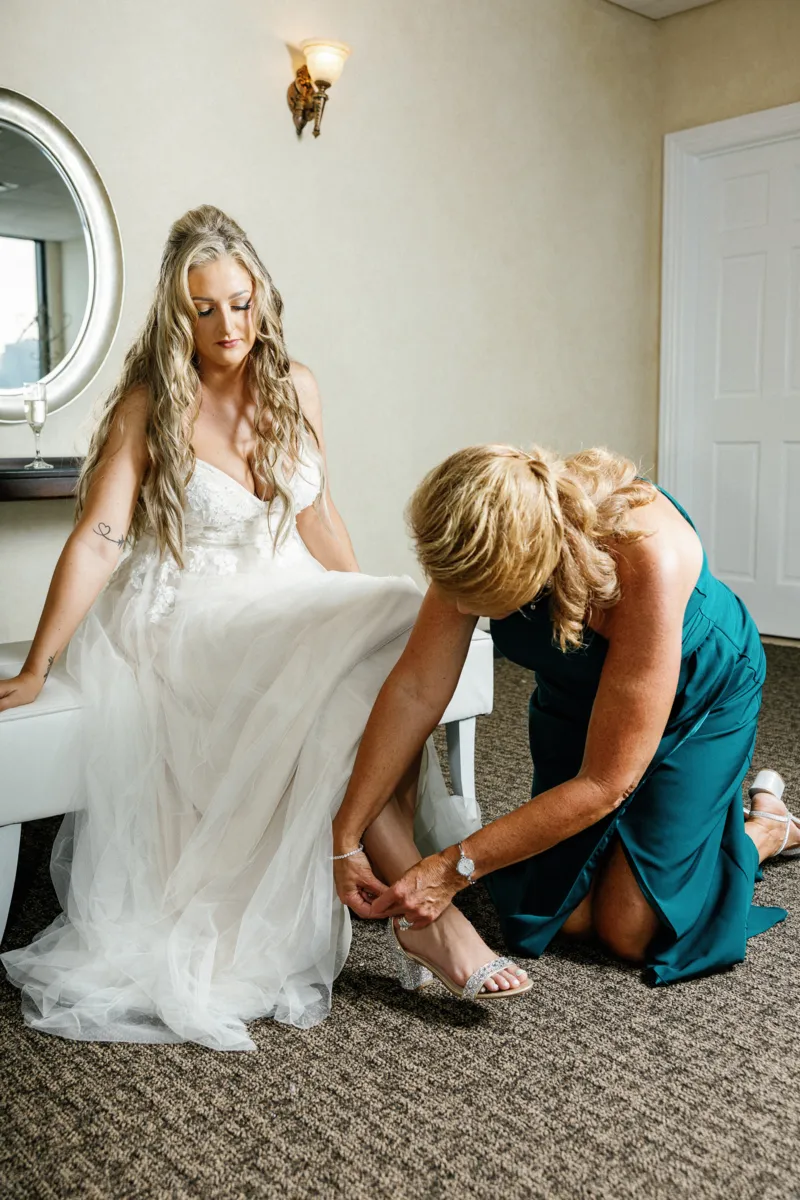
<point x="684" y="153"/>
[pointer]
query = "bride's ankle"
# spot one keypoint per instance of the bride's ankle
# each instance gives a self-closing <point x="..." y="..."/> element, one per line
<point x="417" y="937"/>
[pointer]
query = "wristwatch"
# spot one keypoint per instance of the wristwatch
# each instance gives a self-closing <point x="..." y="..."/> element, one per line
<point x="465" y="865"/>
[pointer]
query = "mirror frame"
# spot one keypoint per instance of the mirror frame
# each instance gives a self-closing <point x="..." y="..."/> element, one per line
<point x="106" y="271"/>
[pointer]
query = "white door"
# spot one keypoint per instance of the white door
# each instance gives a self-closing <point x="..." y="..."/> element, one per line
<point x="738" y="427"/>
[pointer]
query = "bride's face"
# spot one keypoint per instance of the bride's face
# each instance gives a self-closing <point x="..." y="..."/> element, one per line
<point x="222" y="292"/>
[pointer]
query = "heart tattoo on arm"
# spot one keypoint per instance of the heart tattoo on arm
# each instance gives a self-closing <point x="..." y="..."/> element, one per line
<point x="104" y="531"/>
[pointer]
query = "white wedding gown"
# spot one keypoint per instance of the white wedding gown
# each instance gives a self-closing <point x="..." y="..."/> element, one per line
<point x="224" y="707"/>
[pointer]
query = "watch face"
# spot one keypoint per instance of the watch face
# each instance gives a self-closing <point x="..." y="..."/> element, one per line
<point x="465" y="866"/>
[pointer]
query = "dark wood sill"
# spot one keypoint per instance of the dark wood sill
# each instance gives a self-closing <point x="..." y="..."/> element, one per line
<point x="18" y="484"/>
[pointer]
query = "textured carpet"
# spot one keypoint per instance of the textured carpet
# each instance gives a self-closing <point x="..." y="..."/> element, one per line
<point x="592" y="1086"/>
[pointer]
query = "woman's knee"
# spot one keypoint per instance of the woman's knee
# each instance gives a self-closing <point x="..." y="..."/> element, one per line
<point x="579" y="923"/>
<point x="623" y="920"/>
<point x="622" y="938"/>
<point x="624" y="923"/>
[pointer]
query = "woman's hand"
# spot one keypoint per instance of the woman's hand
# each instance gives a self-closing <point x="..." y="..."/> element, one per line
<point x="422" y="894"/>
<point x="356" y="886"/>
<point x="22" y="689"/>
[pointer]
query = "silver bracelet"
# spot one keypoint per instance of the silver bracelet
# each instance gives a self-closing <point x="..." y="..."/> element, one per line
<point x="350" y="853"/>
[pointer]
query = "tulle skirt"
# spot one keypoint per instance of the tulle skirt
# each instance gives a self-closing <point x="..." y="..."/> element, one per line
<point x="221" y="726"/>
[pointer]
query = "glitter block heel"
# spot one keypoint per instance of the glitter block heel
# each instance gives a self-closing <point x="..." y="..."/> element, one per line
<point x="411" y="975"/>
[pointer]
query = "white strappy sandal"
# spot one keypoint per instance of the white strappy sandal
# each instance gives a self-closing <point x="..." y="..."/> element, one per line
<point x="772" y="783"/>
<point x="415" y="972"/>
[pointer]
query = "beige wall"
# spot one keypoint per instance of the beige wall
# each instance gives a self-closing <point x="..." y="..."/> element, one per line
<point x="731" y="58"/>
<point x="467" y="253"/>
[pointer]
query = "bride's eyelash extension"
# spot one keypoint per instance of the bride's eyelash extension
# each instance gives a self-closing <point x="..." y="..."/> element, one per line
<point x="206" y="312"/>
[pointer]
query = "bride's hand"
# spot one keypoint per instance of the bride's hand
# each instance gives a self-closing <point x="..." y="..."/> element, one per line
<point x="356" y="886"/>
<point x="422" y="894"/>
<point x="22" y="689"/>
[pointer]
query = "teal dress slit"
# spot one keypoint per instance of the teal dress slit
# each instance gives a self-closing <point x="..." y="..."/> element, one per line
<point x="682" y="829"/>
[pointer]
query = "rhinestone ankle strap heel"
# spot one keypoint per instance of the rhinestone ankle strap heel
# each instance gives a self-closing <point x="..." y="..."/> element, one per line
<point x="413" y="966"/>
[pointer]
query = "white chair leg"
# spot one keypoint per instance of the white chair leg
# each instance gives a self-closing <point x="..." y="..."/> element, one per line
<point x="461" y="755"/>
<point x="9" y="853"/>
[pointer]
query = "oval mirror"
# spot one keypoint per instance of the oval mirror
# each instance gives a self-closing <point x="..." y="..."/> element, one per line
<point x="61" y="265"/>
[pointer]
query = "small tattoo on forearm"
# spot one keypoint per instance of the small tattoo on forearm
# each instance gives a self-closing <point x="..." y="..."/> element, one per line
<point x="104" y="531"/>
<point x="50" y="662"/>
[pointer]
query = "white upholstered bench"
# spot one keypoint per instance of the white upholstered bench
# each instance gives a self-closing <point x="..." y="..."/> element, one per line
<point x="40" y="758"/>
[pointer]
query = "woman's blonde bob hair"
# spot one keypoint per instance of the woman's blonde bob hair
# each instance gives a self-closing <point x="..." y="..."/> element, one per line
<point x="162" y="362"/>
<point x="496" y="526"/>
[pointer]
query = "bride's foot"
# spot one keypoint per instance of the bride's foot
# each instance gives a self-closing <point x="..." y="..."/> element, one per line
<point x="453" y="945"/>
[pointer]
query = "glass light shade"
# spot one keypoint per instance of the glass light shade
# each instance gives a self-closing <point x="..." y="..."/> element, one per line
<point x="325" y="60"/>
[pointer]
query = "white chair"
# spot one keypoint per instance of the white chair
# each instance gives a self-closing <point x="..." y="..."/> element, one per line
<point x="40" y="757"/>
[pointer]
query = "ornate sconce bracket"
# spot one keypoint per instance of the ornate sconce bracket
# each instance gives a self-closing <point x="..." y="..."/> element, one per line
<point x="301" y="98"/>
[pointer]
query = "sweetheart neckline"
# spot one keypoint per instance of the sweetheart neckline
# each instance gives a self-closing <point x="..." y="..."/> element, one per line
<point x="241" y="486"/>
<point x="235" y="482"/>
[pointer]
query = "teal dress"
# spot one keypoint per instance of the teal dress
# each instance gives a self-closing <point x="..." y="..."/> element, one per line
<point x="682" y="829"/>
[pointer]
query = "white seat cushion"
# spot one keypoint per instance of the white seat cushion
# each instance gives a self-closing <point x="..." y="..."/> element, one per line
<point x="474" y="695"/>
<point x="39" y="745"/>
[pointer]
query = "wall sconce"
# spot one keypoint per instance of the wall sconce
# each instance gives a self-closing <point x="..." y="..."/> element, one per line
<point x="308" y="94"/>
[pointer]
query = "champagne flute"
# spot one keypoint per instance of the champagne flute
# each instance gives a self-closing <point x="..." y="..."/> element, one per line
<point x="34" y="396"/>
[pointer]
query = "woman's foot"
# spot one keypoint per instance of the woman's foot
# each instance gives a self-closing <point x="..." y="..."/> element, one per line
<point x="455" y="946"/>
<point x="768" y="834"/>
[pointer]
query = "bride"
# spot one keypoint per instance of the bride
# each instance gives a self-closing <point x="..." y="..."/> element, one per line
<point x="228" y="663"/>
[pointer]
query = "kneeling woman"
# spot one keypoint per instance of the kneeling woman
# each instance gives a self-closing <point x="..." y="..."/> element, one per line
<point x="649" y="673"/>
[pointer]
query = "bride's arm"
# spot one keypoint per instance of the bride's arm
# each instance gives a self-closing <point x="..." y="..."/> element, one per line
<point x="90" y="554"/>
<point x="322" y="529"/>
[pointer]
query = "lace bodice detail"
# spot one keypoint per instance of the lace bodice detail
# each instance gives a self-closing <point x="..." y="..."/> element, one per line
<point x="223" y="520"/>
<point x="218" y="509"/>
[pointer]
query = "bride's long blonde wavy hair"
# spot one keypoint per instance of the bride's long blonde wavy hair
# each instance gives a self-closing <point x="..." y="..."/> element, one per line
<point x="162" y="361"/>
<point x="497" y="526"/>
